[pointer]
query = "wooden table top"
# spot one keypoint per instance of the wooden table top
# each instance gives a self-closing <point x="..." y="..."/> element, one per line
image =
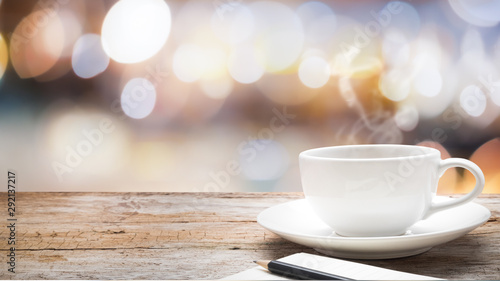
<point x="191" y="236"/>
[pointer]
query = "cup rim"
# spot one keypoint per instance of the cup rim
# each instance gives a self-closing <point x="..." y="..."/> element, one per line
<point x="427" y="152"/>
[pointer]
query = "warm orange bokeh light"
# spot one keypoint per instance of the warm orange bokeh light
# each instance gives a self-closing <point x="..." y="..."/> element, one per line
<point x="37" y="43"/>
<point x="4" y="56"/>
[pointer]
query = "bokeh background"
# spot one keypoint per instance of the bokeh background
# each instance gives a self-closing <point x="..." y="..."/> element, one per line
<point x="154" y="95"/>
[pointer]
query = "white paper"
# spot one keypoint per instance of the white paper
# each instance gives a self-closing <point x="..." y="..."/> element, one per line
<point x="331" y="265"/>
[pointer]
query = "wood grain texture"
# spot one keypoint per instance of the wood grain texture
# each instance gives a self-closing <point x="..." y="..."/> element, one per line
<point x="191" y="236"/>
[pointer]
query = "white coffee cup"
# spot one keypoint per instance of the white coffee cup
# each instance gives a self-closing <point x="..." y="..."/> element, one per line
<point x="377" y="190"/>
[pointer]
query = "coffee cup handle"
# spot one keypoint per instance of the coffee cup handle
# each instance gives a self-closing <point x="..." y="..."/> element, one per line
<point x="466" y="164"/>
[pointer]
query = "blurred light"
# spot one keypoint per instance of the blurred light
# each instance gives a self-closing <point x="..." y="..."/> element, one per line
<point x="473" y="100"/>
<point x="496" y="51"/>
<point x="431" y="107"/>
<point x="495" y="96"/>
<point x="474" y="62"/>
<point x="395" y="85"/>
<point x="428" y="82"/>
<point x="314" y="72"/>
<point x="319" y="21"/>
<point x="480" y="13"/>
<point x="488" y="115"/>
<point x="406" y="118"/>
<point x="138" y="98"/>
<point x="243" y="65"/>
<point x="426" y="75"/>
<point x="217" y="88"/>
<point x="72" y="30"/>
<point x="438" y="46"/>
<point x="279" y="34"/>
<point x="345" y="34"/>
<point x="492" y="80"/>
<point x="36" y="43"/>
<point x="87" y="142"/>
<point x="89" y="59"/>
<point x="365" y="66"/>
<point x="339" y="66"/>
<point x="362" y="67"/>
<point x="192" y="62"/>
<point x="171" y="93"/>
<point x="135" y="30"/>
<point x="486" y="9"/>
<point x="215" y="63"/>
<point x="4" y="56"/>
<point x="269" y="162"/>
<point x="235" y="25"/>
<point x="192" y="21"/>
<point x="189" y="62"/>
<point x="155" y="160"/>
<point x="472" y="43"/>
<point x="354" y="57"/>
<point x="395" y="48"/>
<point x="493" y="89"/>
<point x="406" y="22"/>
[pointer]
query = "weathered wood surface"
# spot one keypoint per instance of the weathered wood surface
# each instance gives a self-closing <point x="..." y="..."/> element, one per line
<point x="191" y="236"/>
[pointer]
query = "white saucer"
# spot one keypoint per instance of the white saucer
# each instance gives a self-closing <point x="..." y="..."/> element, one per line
<point x="296" y="222"/>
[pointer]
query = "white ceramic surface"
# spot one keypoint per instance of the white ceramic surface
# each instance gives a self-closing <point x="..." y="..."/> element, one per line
<point x="377" y="190"/>
<point x="297" y="222"/>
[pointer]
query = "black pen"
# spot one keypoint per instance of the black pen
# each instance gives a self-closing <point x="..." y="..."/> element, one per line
<point x="297" y="272"/>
